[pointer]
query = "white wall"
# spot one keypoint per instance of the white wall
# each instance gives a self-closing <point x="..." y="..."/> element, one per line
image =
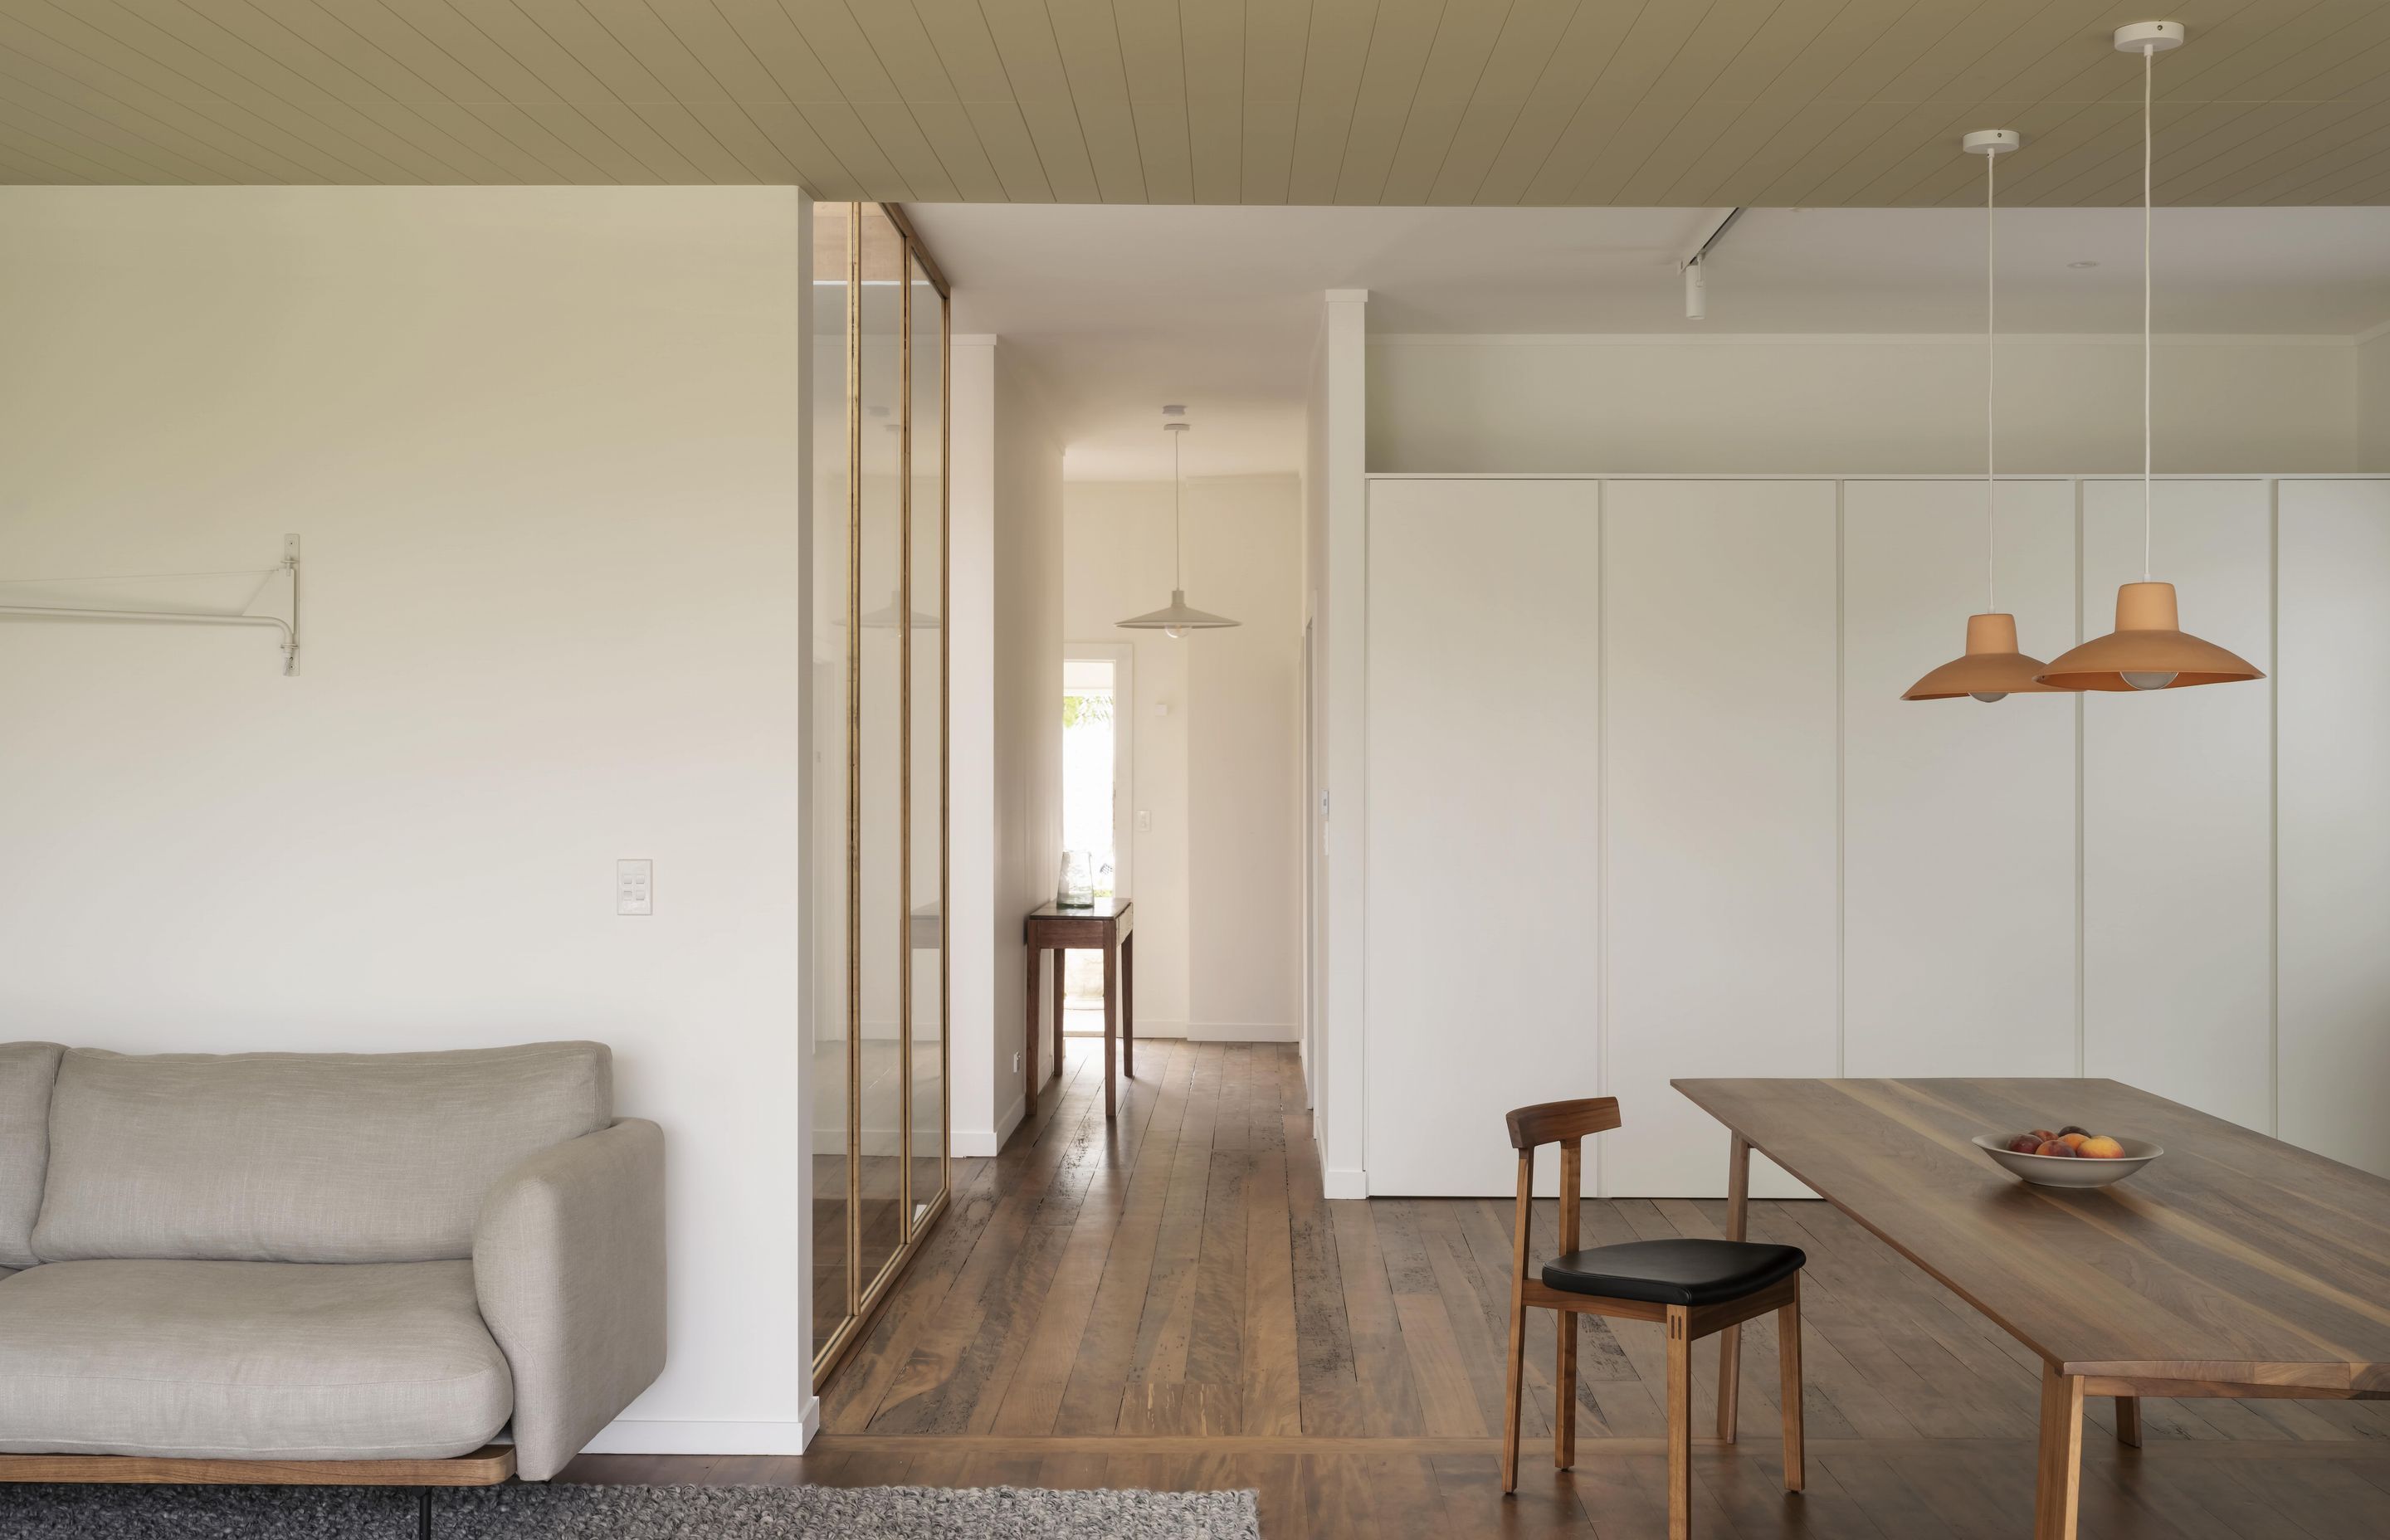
<point x="544" y="448"/>
<point x="1218" y="879"/>
<point x="1802" y="874"/>
<point x="1846" y="405"/>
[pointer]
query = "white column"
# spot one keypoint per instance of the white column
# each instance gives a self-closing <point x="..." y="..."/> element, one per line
<point x="970" y="746"/>
<point x="1343" y="404"/>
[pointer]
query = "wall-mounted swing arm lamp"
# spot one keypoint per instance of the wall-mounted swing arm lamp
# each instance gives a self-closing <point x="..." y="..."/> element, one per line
<point x="290" y="627"/>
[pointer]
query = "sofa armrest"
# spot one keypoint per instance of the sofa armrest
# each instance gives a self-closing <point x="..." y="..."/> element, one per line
<point x="568" y="1264"/>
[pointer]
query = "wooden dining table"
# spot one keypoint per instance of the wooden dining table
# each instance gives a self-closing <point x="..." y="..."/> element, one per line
<point x="2234" y="1265"/>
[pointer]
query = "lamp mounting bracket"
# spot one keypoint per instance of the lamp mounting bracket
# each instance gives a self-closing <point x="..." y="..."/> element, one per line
<point x="2151" y="37"/>
<point x="1992" y="141"/>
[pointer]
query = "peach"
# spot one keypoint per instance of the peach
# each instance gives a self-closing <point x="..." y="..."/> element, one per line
<point x="2073" y="1141"/>
<point x="2101" y="1147"/>
<point x="2039" y="1135"/>
<point x="2024" y="1144"/>
<point x="2055" y="1147"/>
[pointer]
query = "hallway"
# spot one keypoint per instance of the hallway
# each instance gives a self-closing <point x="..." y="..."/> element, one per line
<point x="1172" y="1305"/>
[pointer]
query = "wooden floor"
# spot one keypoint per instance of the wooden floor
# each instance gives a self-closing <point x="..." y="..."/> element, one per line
<point x="1169" y="1302"/>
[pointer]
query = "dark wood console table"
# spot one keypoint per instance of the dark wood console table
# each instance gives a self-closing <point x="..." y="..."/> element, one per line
<point x="1104" y="928"/>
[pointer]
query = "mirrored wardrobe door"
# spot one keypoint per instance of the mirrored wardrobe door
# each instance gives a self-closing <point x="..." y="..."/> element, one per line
<point x="926" y="755"/>
<point x="881" y="928"/>
<point x="834" y="1300"/>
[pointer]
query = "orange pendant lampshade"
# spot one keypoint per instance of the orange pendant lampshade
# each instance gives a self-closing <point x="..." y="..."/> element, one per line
<point x="2149" y="650"/>
<point x="1990" y="668"/>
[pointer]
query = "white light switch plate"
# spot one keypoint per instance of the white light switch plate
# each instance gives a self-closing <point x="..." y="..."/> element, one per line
<point x="635" y="887"/>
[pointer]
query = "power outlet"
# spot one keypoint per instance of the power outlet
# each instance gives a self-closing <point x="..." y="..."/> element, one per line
<point x="635" y="887"/>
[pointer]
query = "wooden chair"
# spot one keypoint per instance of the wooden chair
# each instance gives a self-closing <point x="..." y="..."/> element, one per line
<point x="1694" y="1287"/>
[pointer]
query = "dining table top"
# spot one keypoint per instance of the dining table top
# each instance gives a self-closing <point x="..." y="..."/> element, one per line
<point x="2233" y="1259"/>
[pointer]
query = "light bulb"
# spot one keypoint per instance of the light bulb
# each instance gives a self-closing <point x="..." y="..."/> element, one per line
<point x="2150" y="681"/>
<point x="1173" y="633"/>
<point x="1987" y="696"/>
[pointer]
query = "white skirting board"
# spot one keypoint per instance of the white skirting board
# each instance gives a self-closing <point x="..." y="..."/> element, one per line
<point x="969" y="1142"/>
<point x="660" y="1436"/>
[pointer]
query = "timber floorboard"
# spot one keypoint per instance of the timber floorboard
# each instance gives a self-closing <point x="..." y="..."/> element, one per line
<point x="1168" y="1302"/>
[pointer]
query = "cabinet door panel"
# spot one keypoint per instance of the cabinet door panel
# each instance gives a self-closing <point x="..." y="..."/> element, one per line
<point x="2334" y="763"/>
<point x="1958" y="815"/>
<point x="2178" y="837"/>
<point x="1482" y="846"/>
<point x="1719" y="765"/>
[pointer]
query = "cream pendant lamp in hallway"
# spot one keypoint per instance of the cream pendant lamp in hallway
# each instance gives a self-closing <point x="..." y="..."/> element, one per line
<point x="1176" y="619"/>
<point x="1991" y="668"/>
<point x="2149" y="650"/>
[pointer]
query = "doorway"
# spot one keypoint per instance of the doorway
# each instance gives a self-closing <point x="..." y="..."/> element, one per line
<point x="1098" y="695"/>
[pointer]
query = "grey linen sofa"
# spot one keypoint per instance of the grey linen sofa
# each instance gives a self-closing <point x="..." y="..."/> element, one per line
<point x="350" y="1258"/>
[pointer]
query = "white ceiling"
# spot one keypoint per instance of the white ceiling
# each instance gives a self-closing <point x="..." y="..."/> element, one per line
<point x="1124" y="308"/>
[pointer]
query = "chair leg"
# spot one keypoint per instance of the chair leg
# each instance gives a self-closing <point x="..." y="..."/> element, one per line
<point x="1680" y="1423"/>
<point x="1788" y="1358"/>
<point x="423" y="1514"/>
<point x="1564" y="1393"/>
<point x="1511" y="1401"/>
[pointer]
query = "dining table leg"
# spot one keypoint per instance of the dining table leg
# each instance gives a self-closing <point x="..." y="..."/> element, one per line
<point x="2128" y="1421"/>
<point x="2058" y="1487"/>
<point x="1738" y="1220"/>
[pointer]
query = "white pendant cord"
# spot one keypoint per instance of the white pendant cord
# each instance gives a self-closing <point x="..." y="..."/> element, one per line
<point x="1991" y="595"/>
<point x="1178" y="519"/>
<point x="2149" y="139"/>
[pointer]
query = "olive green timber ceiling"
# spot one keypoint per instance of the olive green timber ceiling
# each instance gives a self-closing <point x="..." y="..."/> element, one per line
<point x="1687" y="103"/>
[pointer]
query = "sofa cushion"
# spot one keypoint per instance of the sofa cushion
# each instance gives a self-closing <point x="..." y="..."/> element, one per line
<point x="236" y="1360"/>
<point x="300" y="1157"/>
<point x="27" y="1072"/>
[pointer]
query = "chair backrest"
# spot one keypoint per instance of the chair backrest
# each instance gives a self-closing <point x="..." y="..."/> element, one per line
<point x="1565" y="1124"/>
<point x="1563" y="1121"/>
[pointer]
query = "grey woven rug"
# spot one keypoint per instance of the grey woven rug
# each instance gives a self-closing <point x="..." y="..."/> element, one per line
<point x="582" y="1512"/>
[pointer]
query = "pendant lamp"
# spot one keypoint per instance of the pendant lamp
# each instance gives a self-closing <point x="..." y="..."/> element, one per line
<point x="2149" y="650"/>
<point x="1991" y="668"/>
<point x="1176" y="619"/>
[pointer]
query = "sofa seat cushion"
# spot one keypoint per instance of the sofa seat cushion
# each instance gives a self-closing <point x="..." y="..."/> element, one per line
<point x="240" y="1360"/>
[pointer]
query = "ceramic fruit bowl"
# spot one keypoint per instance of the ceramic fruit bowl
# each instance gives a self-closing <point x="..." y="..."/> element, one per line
<point x="2069" y="1171"/>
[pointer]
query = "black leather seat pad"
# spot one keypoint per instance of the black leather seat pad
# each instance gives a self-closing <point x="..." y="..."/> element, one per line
<point x="1687" y="1272"/>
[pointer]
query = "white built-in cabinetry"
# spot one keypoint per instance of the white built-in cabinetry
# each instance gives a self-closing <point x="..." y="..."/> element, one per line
<point x="1643" y="802"/>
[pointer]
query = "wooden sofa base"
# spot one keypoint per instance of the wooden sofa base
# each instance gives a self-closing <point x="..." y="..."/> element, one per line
<point x="484" y="1467"/>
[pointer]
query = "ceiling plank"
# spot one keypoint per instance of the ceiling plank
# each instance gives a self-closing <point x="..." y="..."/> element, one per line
<point x="1395" y="68"/>
<point x="1033" y="63"/>
<point x="1277" y="43"/>
<point x="1089" y="43"/>
<point x="1212" y="41"/>
<point x="1335" y="51"/>
<point x="1153" y="65"/>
